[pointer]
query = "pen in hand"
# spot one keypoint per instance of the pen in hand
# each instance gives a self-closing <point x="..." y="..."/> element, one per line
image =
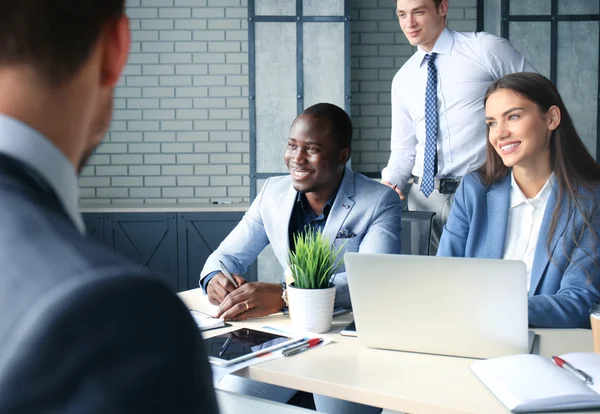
<point x="228" y="274"/>
<point x="574" y="371"/>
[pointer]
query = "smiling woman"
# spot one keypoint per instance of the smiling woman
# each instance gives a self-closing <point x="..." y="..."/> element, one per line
<point x="535" y="199"/>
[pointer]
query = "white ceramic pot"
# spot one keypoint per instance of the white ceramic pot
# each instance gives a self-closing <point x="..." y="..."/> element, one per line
<point x="311" y="309"/>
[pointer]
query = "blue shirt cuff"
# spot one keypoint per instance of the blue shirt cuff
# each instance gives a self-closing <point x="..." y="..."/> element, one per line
<point x="206" y="280"/>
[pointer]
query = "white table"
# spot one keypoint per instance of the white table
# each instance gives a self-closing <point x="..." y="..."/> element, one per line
<point x="400" y="381"/>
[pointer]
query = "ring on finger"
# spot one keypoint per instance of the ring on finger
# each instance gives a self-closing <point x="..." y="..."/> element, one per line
<point x="247" y="306"/>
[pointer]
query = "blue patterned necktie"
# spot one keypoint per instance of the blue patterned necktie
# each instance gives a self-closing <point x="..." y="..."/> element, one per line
<point x="431" y="127"/>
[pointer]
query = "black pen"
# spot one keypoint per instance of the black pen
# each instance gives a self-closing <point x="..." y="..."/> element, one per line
<point x="225" y="346"/>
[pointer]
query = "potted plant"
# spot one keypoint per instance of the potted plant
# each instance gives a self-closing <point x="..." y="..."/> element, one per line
<point x="311" y="295"/>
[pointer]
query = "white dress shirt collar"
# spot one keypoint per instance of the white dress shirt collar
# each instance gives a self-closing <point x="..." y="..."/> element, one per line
<point x="517" y="197"/>
<point x="23" y="143"/>
<point x="443" y="46"/>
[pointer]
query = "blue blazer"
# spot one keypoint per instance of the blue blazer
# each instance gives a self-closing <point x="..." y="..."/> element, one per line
<point x="365" y="217"/>
<point x="562" y="286"/>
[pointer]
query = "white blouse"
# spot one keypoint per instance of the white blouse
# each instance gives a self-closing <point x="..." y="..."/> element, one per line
<point x="524" y="221"/>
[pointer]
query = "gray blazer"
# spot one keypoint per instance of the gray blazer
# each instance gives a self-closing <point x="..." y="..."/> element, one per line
<point x="81" y="330"/>
<point x="365" y="215"/>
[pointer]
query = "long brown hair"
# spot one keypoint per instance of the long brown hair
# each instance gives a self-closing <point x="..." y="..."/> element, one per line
<point x="577" y="173"/>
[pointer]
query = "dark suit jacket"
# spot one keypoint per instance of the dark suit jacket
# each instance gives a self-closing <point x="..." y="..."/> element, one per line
<point x="81" y="330"/>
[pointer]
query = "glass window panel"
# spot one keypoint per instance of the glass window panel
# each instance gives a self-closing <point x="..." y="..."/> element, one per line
<point x="276" y="102"/>
<point x="530" y="7"/>
<point x="532" y="39"/>
<point x="259" y="184"/>
<point x="324" y="63"/>
<point x="275" y="7"/>
<point x="577" y="76"/>
<point x="323" y="7"/>
<point x="491" y="17"/>
<point x="578" y="7"/>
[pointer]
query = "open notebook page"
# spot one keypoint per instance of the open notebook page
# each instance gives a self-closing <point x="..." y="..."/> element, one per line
<point x="531" y="382"/>
<point x="588" y="362"/>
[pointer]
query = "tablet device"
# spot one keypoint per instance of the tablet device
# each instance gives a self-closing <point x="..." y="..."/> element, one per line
<point x="349" y="330"/>
<point x="242" y="344"/>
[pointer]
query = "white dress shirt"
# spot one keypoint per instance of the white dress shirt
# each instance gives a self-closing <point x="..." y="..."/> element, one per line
<point x="466" y="65"/>
<point x="28" y="146"/>
<point x="524" y="221"/>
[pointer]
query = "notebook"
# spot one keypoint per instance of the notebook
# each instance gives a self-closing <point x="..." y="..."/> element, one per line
<point x="206" y="322"/>
<point x="528" y="383"/>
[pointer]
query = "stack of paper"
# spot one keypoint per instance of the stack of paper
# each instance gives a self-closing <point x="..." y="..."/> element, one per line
<point x="206" y="322"/>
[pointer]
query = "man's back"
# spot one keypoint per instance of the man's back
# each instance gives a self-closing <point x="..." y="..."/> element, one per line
<point x="82" y="330"/>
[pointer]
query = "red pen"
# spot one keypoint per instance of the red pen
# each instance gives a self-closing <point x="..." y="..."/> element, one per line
<point x="571" y="369"/>
<point x="303" y="347"/>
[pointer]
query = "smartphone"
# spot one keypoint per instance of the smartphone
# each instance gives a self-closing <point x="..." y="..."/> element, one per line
<point x="349" y="330"/>
<point x="242" y="344"/>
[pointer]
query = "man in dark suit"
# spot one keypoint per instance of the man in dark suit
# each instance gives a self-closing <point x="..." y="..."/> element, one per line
<point x="81" y="331"/>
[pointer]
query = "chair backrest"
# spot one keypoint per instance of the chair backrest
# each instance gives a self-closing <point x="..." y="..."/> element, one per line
<point x="416" y="232"/>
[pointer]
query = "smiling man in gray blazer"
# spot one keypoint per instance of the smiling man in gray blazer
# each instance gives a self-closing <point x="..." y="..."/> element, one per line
<point x="321" y="191"/>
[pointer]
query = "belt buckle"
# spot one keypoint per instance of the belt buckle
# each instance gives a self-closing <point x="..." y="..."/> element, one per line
<point x="448" y="186"/>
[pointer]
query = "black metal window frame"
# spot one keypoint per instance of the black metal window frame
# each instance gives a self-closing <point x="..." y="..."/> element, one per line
<point x="553" y="18"/>
<point x="299" y="19"/>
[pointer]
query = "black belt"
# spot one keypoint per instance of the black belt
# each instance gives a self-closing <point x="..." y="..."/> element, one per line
<point x="443" y="185"/>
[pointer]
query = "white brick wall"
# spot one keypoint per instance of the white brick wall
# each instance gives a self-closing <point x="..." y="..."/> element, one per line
<point x="180" y="128"/>
<point x="378" y="50"/>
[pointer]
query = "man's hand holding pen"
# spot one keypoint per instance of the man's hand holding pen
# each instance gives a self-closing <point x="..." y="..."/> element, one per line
<point x="239" y="300"/>
<point x="220" y="286"/>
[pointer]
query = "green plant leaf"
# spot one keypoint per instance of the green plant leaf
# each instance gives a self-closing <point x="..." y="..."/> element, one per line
<point x="314" y="262"/>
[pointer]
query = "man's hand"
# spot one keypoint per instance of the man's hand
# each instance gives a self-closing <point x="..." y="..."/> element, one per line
<point x="219" y="287"/>
<point x="395" y="188"/>
<point x="252" y="300"/>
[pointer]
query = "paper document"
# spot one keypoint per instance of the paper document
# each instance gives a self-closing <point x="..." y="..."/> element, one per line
<point x="206" y="322"/>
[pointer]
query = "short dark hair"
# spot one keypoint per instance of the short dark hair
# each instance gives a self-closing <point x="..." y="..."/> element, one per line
<point x="54" y="37"/>
<point x="341" y="124"/>
<point x="436" y="2"/>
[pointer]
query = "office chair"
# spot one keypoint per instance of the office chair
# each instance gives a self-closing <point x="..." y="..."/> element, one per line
<point x="416" y="232"/>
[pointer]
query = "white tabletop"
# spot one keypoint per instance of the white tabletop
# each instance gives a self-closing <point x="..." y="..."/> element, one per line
<point x="400" y="381"/>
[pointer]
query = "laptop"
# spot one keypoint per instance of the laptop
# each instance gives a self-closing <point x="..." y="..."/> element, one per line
<point x="474" y="308"/>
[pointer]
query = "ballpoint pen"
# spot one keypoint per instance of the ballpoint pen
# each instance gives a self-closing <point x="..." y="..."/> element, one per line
<point x="574" y="371"/>
<point x="302" y="347"/>
<point x="301" y="344"/>
<point x="227" y="274"/>
<point x="225" y="346"/>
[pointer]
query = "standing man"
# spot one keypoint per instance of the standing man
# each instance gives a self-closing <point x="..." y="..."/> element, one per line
<point x="438" y="126"/>
<point x="81" y="330"/>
